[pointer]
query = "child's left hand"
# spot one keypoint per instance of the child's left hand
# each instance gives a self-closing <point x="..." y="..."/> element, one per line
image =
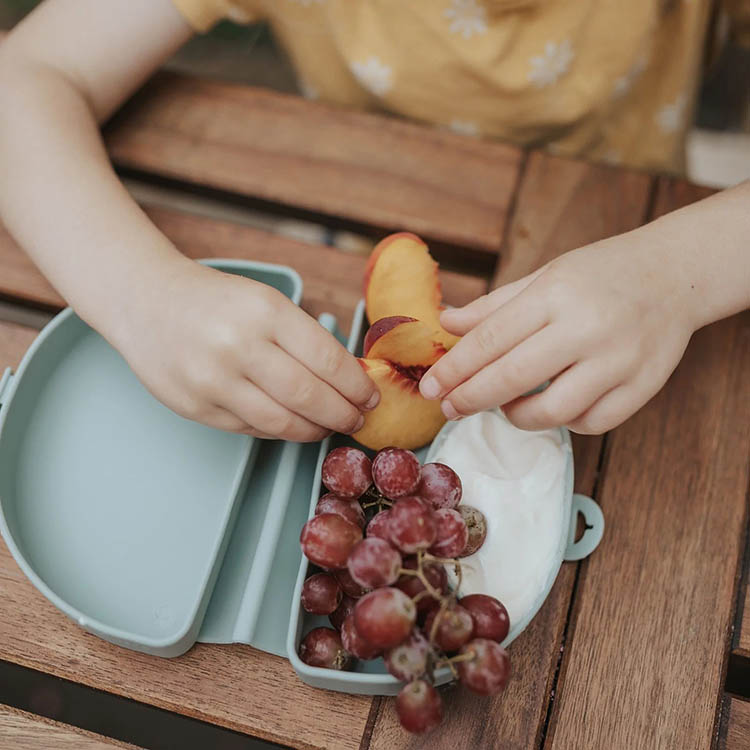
<point x="606" y="324"/>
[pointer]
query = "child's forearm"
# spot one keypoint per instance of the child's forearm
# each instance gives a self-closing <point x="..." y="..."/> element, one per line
<point x="708" y="247"/>
<point x="61" y="200"/>
<point x="60" y="197"/>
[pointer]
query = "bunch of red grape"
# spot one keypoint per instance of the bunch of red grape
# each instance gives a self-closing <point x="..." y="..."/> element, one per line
<point x="382" y="536"/>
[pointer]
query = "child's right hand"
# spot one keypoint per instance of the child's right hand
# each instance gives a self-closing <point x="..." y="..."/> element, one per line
<point x="238" y="355"/>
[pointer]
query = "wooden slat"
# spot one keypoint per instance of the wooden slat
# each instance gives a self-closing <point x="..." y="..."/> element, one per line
<point x="332" y="279"/>
<point x="14" y="341"/>
<point x="737" y="725"/>
<point x="23" y="731"/>
<point x="652" y="618"/>
<point x="517" y="716"/>
<point x="371" y="169"/>
<point x="564" y="204"/>
<point x="744" y="635"/>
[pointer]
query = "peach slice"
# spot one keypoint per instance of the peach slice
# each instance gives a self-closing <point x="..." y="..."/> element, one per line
<point x="398" y="351"/>
<point x="401" y="279"/>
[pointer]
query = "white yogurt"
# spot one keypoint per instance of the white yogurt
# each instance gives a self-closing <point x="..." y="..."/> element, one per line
<point x="517" y="479"/>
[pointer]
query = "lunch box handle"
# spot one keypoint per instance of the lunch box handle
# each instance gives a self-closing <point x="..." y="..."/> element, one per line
<point x="592" y="534"/>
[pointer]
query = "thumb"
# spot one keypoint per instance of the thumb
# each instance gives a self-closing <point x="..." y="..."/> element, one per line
<point x="461" y="320"/>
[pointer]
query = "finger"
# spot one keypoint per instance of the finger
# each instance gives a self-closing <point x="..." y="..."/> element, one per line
<point x="460" y="320"/>
<point x="228" y="422"/>
<point x="221" y="419"/>
<point x="614" y="407"/>
<point x="569" y="395"/>
<point x="534" y="361"/>
<point x="319" y="351"/>
<point x="292" y="385"/>
<point x="266" y="417"/>
<point x="495" y="336"/>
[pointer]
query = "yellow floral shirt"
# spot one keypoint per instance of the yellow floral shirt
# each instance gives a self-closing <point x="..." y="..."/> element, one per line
<point x="611" y="80"/>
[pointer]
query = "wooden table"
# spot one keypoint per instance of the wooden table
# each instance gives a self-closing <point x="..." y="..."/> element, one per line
<point x="637" y="647"/>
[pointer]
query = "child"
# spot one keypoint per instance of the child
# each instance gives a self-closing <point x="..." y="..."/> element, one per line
<point x="605" y="323"/>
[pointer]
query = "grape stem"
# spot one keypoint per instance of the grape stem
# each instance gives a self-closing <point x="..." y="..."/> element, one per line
<point x="449" y="661"/>
<point x="443" y="560"/>
<point x="380" y="503"/>
<point x="430" y="589"/>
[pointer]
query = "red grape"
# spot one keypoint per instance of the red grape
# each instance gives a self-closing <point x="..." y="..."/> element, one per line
<point x="412" y="525"/>
<point x="378" y="525"/>
<point x="419" y="707"/>
<point x="374" y="563"/>
<point x="348" y="585"/>
<point x="385" y="617"/>
<point x="328" y="539"/>
<point x="488" y="672"/>
<point x="395" y="472"/>
<point x="354" y="643"/>
<point x="321" y="594"/>
<point x="344" y="609"/>
<point x="490" y="617"/>
<point x="452" y="533"/>
<point x="408" y="660"/>
<point x="454" y="627"/>
<point x="412" y="586"/>
<point x="346" y="507"/>
<point x="440" y="486"/>
<point x="347" y="471"/>
<point x="322" y="647"/>
<point x="476" y="523"/>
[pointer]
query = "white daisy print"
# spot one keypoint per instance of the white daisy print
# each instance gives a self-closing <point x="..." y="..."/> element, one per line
<point x="553" y="64"/>
<point x="624" y="83"/>
<point x="464" y="127"/>
<point x="669" y="118"/>
<point x="307" y="89"/>
<point x="467" y="17"/>
<point x="374" y="75"/>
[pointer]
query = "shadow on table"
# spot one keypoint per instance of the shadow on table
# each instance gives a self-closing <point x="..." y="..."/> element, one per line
<point x="111" y="716"/>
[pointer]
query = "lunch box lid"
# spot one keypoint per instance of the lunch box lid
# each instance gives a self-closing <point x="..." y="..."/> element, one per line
<point x="147" y="529"/>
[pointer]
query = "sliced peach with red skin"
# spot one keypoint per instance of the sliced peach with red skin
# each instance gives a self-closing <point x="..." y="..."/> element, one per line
<point x="401" y="278"/>
<point x="404" y="341"/>
<point x="398" y="351"/>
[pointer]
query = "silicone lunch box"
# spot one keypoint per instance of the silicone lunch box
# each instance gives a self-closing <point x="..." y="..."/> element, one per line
<point x="154" y="532"/>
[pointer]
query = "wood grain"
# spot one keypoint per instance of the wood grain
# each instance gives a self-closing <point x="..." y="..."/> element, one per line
<point x="744" y="635"/>
<point x="24" y="731"/>
<point x="651" y="623"/>
<point x="332" y="279"/>
<point x="14" y="341"/>
<point x="564" y="204"/>
<point x="376" y="170"/>
<point x="738" y="725"/>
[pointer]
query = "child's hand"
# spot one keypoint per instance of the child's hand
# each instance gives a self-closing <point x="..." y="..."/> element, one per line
<point x="606" y="324"/>
<point x="238" y="355"/>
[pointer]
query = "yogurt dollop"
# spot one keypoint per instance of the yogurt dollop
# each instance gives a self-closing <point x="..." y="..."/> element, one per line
<point x="517" y="479"/>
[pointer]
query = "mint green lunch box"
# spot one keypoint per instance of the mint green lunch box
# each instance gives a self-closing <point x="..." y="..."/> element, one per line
<point x="154" y="532"/>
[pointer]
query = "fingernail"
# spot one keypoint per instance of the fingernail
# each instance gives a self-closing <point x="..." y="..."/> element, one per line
<point x="429" y="387"/>
<point x="448" y="410"/>
<point x="360" y="422"/>
<point x="373" y="401"/>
